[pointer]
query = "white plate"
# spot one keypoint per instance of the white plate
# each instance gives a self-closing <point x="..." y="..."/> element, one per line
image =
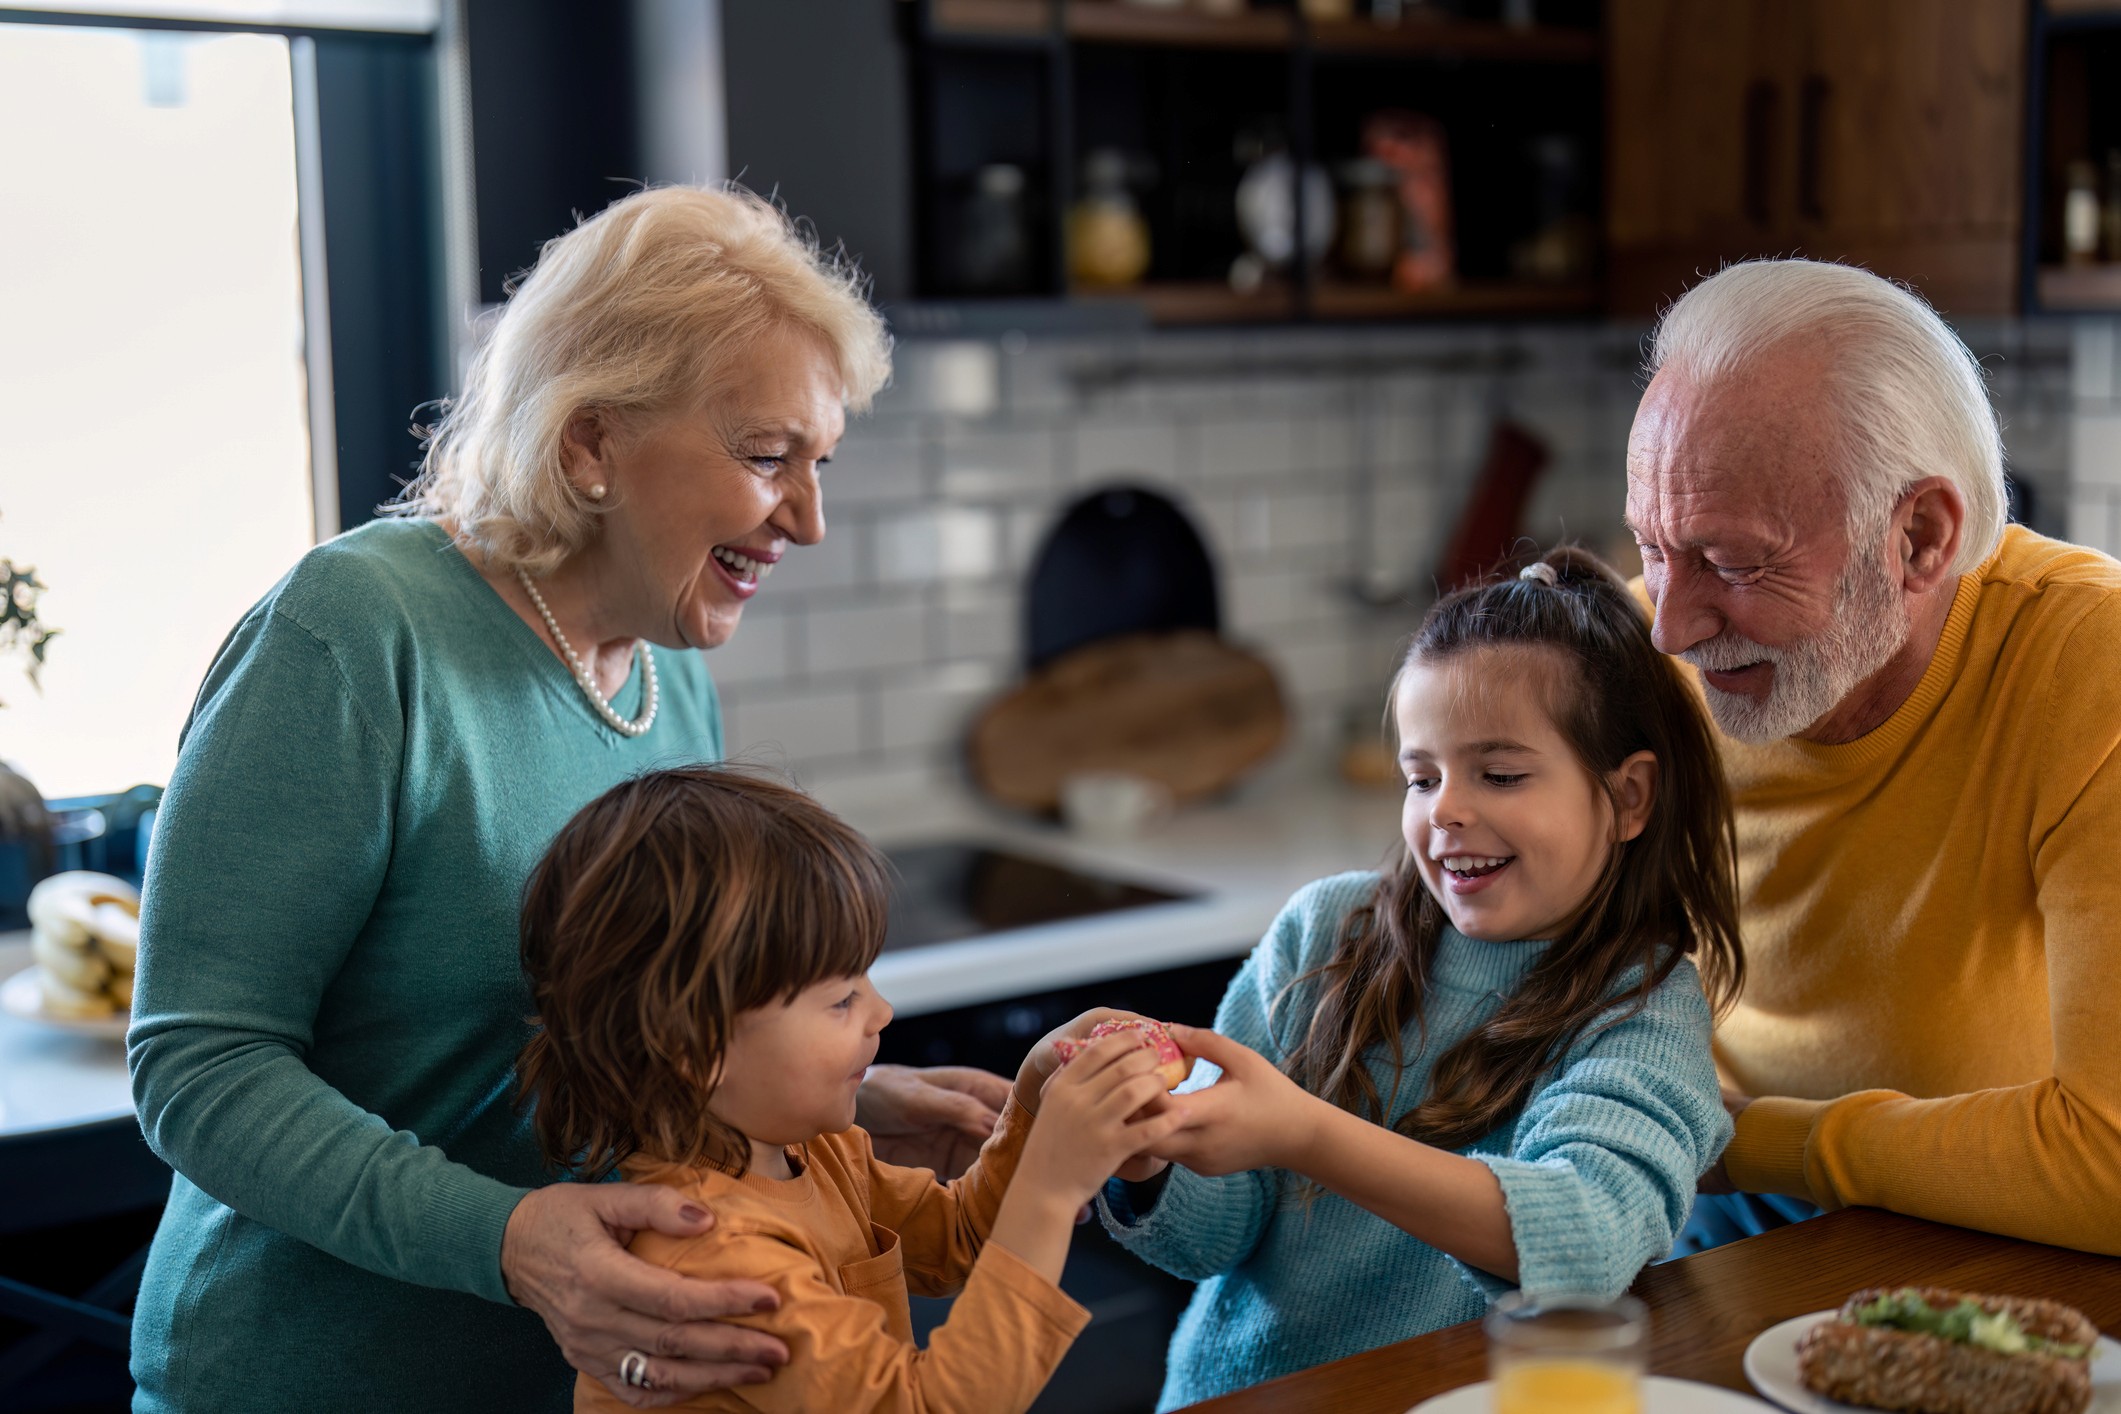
<point x="23" y="995"/>
<point x="1771" y="1364"/>
<point x="1661" y="1395"/>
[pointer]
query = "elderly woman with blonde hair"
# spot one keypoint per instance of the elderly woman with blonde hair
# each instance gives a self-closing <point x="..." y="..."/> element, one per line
<point x="329" y="998"/>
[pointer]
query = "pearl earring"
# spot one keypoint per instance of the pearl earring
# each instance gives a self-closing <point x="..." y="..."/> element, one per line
<point x="596" y="490"/>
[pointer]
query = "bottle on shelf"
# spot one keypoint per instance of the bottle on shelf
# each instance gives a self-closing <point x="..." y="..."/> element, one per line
<point x="1108" y="241"/>
<point x="2080" y="214"/>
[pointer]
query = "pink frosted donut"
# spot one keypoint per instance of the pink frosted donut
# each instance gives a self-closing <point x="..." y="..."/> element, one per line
<point x="1172" y="1064"/>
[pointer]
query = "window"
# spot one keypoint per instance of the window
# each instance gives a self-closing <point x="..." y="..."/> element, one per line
<point x="154" y="430"/>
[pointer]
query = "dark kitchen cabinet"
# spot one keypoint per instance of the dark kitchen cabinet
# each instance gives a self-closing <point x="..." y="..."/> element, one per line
<point x="1014" y="102"/>
<point x="1885" y="132"/>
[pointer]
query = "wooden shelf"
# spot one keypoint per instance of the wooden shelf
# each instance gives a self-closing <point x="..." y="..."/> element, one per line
<point x="1202" y="302"/>
<point x="993" y="19"/>
<point x="1193" y="302"/>
<point x="1115" y="22"/>
<point x="1182" y="27"/>
<point x="1334" y="299"/>
<point x="1460" y="39"/>
<point x="2080" y="287"/>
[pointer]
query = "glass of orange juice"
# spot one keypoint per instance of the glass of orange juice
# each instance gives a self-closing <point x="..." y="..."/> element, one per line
<point x="1567" y="1354"/>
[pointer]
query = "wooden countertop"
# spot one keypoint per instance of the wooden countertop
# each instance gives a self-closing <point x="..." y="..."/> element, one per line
<point x="1705" y="1310"/>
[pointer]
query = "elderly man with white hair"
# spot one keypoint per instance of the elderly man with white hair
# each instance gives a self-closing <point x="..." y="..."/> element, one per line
<point x="1920" y="709"/>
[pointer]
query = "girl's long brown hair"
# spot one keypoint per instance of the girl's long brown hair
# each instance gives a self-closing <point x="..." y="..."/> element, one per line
<point x="1669" y="893"/>
<point x="664" y="908"/>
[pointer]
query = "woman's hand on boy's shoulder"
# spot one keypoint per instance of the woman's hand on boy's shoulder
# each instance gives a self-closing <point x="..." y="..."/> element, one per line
<point x="563" y="1255"/>
<point x="1044" y="1058"/>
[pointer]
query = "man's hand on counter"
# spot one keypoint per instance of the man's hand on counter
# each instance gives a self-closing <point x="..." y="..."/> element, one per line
<point x="933" y="1117"/>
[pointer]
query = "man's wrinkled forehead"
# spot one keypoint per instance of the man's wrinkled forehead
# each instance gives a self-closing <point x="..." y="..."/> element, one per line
<point x="1754" y="452"/>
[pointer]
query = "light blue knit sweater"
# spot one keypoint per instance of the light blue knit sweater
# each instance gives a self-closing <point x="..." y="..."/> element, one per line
<point x="1598" y="1172"/>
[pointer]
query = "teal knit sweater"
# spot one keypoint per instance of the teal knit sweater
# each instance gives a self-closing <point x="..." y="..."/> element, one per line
<point x="330" y="999"/>
<point x="1598" y="1172"/>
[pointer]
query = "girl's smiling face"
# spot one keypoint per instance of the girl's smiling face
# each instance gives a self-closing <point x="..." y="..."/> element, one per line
<point x="1508" y="828"/>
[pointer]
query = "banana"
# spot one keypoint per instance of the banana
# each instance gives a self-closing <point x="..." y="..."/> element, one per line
<point x="116" y="930"/>
<point x="86" y="937"/>
<point x="73" y="1003"/>
<point x="83" y="969"/>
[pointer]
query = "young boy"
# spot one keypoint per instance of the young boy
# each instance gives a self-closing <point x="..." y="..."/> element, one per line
<point x="697" y="942"/>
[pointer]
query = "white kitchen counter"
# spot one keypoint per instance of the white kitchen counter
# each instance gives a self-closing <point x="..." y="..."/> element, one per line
<point x="1243" y="857"/>
<point x="52" y="1079"/>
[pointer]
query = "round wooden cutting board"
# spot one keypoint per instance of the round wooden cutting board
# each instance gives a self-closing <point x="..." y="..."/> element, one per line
<point x="1185" y="709"/>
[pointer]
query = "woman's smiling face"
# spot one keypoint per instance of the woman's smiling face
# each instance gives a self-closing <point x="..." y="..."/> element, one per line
<point x="701" y="503"/>
<point x="1509" y="831"/>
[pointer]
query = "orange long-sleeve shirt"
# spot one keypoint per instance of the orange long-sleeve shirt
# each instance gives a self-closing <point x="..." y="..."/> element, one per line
<point x="843" y="1243"/>
<point x="1932" y="925"/>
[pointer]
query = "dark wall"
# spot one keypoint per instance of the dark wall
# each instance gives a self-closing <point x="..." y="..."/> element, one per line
<point x="818" y="112"/>
<point x="376" y="108"/>
<point x="552" y="123"/>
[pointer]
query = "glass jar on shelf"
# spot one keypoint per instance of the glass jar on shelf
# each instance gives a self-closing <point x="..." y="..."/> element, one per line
<point x="1108" y="240"/>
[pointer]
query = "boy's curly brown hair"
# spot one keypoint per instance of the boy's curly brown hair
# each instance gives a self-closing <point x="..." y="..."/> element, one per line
<point x="664" y="908"/>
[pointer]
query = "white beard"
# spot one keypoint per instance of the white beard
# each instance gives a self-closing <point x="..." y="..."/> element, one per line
<point x="1810" y="679"/>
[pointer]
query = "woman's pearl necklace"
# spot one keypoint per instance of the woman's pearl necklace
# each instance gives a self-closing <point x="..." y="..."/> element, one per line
<point x="587" y="681"/>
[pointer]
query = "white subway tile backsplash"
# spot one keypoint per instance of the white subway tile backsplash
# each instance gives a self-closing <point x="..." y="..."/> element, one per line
<point x="839" y="561"/>
<point x="1328" y="442"/>
<point x="1127" y="451"/>
<point x="860" y="637"/>
<point x="1260" y="600"/>
<point x="983" y="463"/>
<point x="1402" y="537"/>
<point x="2095" y="519"/>
<point x="2095" y="359"/>
<point x="933" y="708"/>
<point x="938" y="543"/>
<point x="777" y="728"/>
<point x="1309" y="520"/>
<point x="875" y="465"/>
<point x="1316" y="669"/>
<point x="2095" y="449"/>
<point x="757" y="652"/>
<point x="1235" y="447"/>
<point x="980" y="623"/>
<point x="957" y="376"/>
<point x="1024" y="532"/>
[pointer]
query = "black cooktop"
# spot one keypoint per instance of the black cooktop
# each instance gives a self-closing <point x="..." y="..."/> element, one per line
<point x="949" y="891"/>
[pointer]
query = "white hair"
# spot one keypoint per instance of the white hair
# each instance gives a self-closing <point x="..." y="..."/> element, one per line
<point x="1910" y="398"/>
<point x="636" y="312"/>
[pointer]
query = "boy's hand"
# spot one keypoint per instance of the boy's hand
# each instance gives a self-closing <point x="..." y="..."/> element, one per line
<point x="1108" y="1105"/>
<point x="1043" y="1060"/>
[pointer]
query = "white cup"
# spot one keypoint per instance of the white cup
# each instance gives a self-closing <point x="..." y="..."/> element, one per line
<point x="1112" y="805"/>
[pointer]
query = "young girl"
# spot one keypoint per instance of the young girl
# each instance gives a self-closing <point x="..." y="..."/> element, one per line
<point x="1489" y="1066"/>
<point x="696" y="942"/>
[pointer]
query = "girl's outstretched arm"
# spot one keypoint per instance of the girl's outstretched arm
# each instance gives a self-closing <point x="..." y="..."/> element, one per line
<point x="1256" y="1117"/>
<point x="1597" y="1181"/>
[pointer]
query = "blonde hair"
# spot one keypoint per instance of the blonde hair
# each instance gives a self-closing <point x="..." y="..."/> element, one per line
<point x="1908" y="395"/>
<point x="635" y="312"/>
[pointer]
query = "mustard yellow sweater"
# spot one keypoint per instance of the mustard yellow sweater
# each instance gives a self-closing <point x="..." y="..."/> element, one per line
<point x="1932" y="923"/>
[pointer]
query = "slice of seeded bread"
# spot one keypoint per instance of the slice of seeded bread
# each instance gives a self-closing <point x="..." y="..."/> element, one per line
<point x="1881" y="1368"/>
